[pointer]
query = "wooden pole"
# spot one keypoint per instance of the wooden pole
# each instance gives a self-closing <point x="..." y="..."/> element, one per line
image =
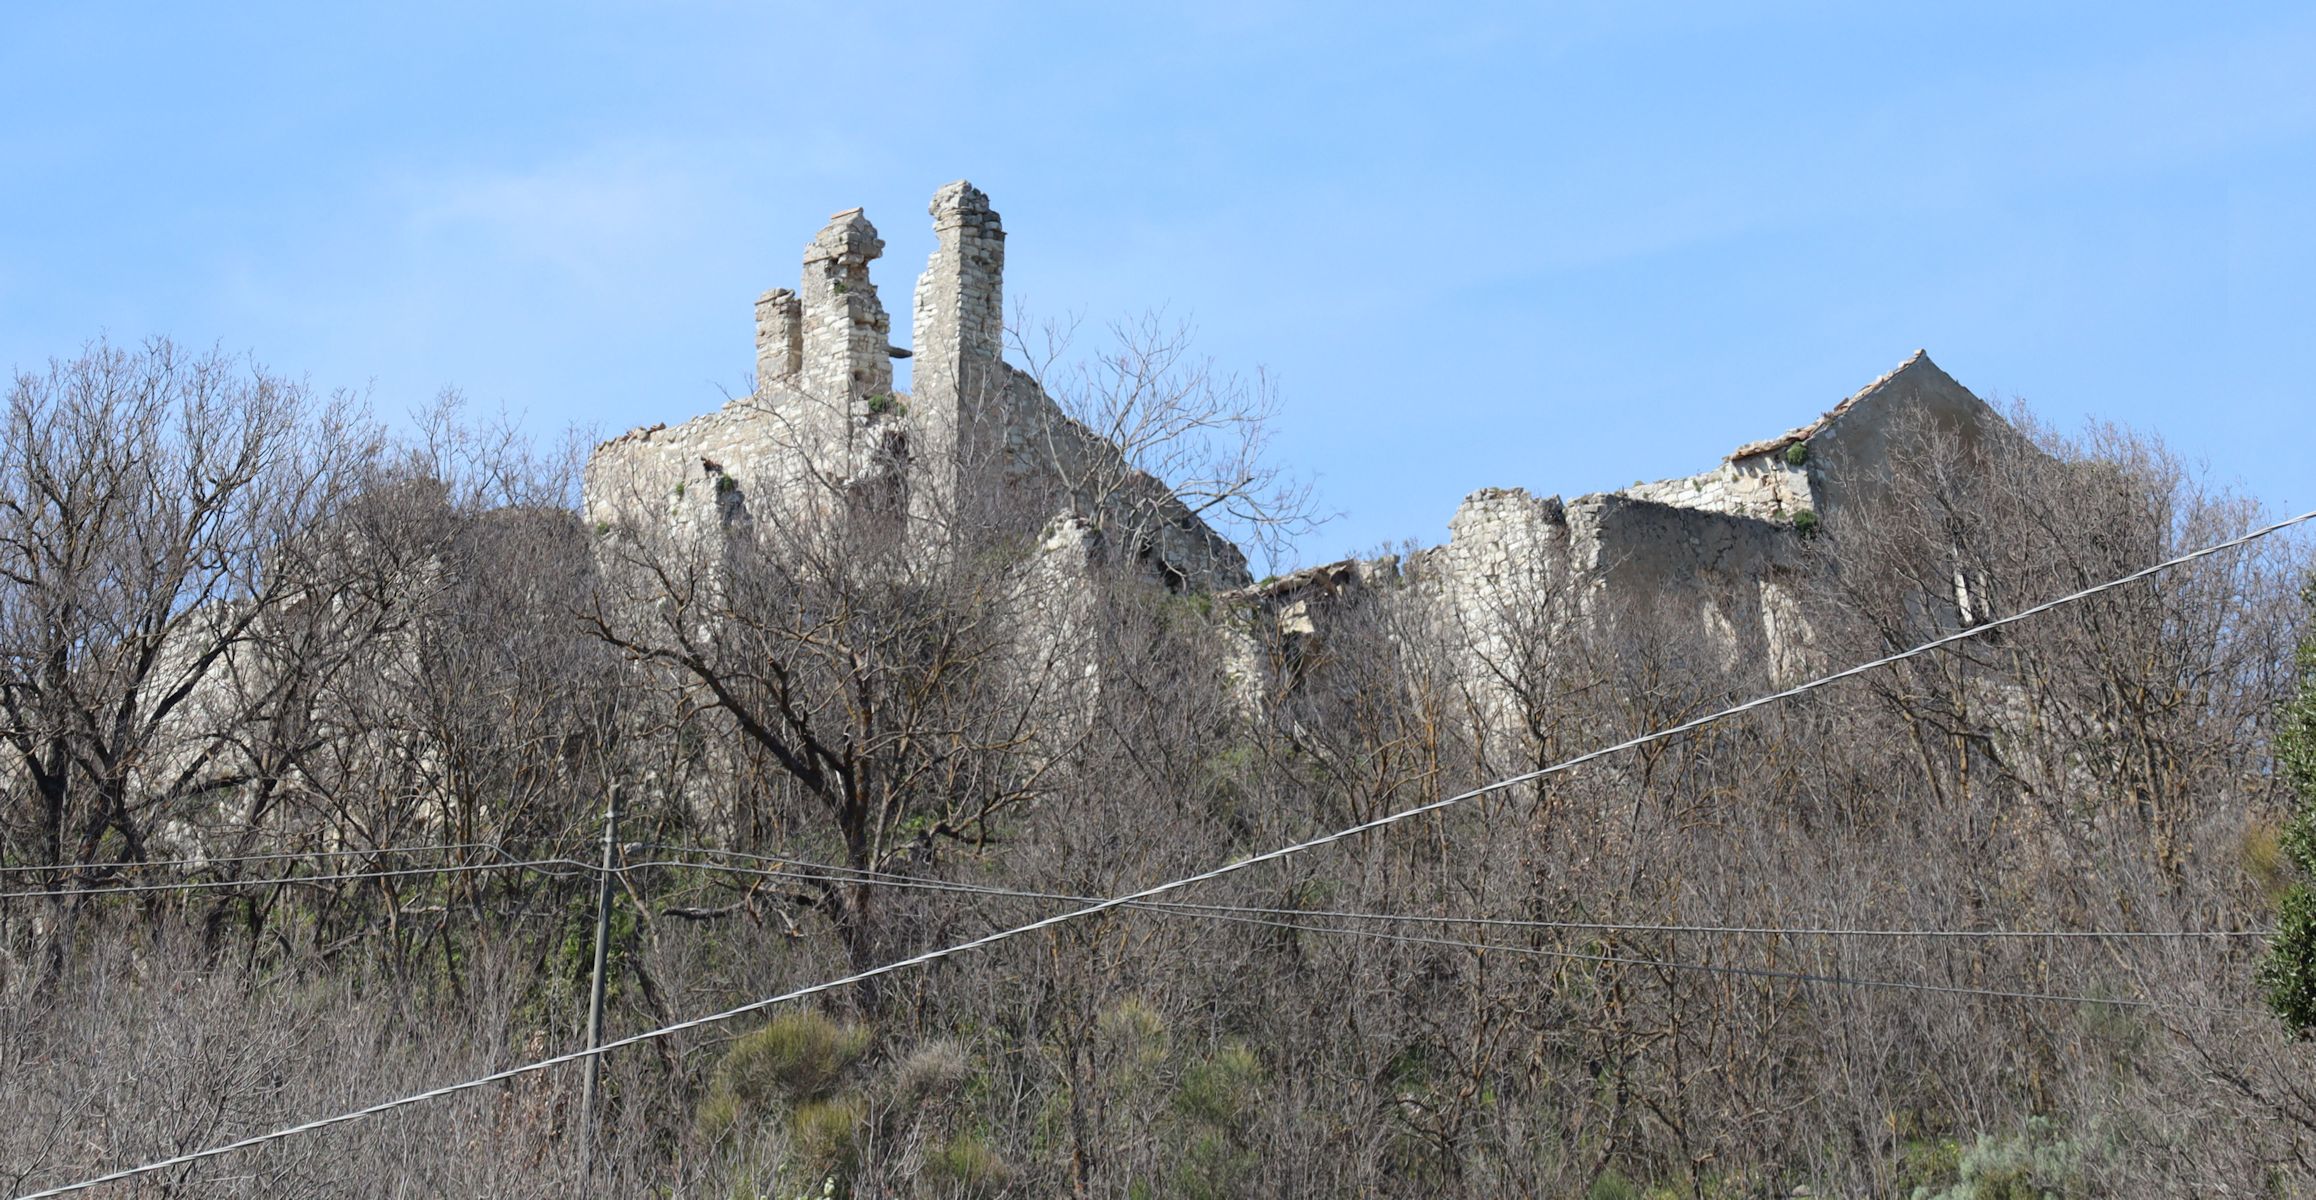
<point x="593" y="1065"/>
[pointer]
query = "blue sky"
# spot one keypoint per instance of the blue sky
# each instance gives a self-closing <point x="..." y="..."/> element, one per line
<point x="1561" y="247"/>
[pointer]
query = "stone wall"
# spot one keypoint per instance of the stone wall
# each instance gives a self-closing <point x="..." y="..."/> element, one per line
<point x="846" y="330"/>
<point x="1843" y="454"/>
<point x="959" y="327"/>
<point x="1712" y="560"/>
<point x="1764" y="485"/>
<point x="976" y="441"/>
<point x="979" y="443"/>
<point x="779" y="336"/>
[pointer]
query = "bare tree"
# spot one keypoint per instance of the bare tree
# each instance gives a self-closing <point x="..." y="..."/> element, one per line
<point x="854" y="693"/>
<point x="149" y="502"/>
<point x="1701" y="970"/>
<point x="1172" y="416"/>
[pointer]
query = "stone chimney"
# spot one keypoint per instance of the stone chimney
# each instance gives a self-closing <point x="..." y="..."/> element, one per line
<point x="846" y="332"/>
<point x="779" y="337"/>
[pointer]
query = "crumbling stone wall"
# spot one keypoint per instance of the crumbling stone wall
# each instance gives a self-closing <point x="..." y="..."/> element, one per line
<point x="958" y="324"/>
<point x="846" y="331"/>
<point x="1713" y="559"/>
<point x="1055" y="656"/>
<point x="805" y="442"/>
<point x="824" y="435"/>
<point x="1765" y="485"/>
<point x="976" y="452"/>
<point x="978" y="442"/>
<point x="1844" y="453"/>
<point x="959" y="317"/>
<point x="779" y="335"/>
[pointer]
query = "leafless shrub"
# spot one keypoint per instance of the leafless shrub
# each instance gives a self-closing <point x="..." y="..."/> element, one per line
<point x="1656" y="974"/>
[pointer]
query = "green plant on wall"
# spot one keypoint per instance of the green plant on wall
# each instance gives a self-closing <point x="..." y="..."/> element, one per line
<point x="1797" y="454"/>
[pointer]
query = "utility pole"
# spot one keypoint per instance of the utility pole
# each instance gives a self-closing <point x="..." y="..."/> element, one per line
<point x="593" y="1064"/>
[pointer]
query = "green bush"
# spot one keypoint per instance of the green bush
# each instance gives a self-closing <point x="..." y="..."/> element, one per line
<point x="725" y="483"/>
<point x="825" y="1134"/>
<point x="1214" y="1100"/>
<point x="932" y="1071"/>
<point x="1925" y="1164"/>
<point x="2287" y="977"/>
<point x="1797" y="454"/>
<point x="880" y="404"/>
<point x="795" y="1060"/>
<point x="1212" y="1166"/>
<point x="2034" y="1164"/>
<point x="1135" y="1033"/>
<point x="966" y="1164"/>
<point x="1805" y="523"/>
<point x="2265" y="861"/>
<point x="1221" y="1089"/>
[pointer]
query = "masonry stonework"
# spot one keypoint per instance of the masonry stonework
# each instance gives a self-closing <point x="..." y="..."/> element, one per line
<point x="975" y="440"/>
<point x="958" y="324"/>
<point x="779" y="336"/>
<point x="1521" y="576"/>
<point x="960" y="301"/>
<point x="1716" y="552"/>
<point x="845" y="328"/>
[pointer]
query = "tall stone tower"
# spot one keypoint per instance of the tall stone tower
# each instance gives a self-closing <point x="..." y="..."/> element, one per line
<point x="959" y="323"/>
<point x="823" y="352"/>
<point x="845" y="330"/>
<point x="824" y="444"/>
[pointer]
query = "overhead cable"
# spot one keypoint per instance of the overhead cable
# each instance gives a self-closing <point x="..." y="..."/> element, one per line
<point x="240" y="859"/>
<point x="804" y="870"/>
<point x="541" y="865"/>
<point x="825" y="873"/>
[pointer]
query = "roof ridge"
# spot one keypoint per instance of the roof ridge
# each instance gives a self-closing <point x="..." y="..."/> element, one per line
<point x="1920" y="357"/>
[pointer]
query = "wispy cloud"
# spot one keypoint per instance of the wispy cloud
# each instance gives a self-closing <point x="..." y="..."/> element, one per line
<point x="593" y="220"/>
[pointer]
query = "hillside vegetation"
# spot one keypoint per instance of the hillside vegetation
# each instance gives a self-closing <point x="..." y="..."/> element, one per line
<point x="382" y="690"/>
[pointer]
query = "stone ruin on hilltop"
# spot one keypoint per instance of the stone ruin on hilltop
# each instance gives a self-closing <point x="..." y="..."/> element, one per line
<point x="824" y="445"/>
<point x="1717" y="554"/>
<point x="825" y="439"/>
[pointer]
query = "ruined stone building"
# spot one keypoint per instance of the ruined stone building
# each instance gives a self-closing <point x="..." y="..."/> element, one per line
<point x="825" y="446"/>
<point x="825" y="439"/>
<point x="1716" y="554"/>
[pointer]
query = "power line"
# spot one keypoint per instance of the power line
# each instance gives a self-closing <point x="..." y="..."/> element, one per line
<point x="1733" y="930"/>
<point x="1754" y="972"/>
<point x="1160" y="889"/>
<point x="195" y="885"/>
<point x="243" y="859"/>
<point x="826" y="873"/>
<point x="814" y="872"/>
